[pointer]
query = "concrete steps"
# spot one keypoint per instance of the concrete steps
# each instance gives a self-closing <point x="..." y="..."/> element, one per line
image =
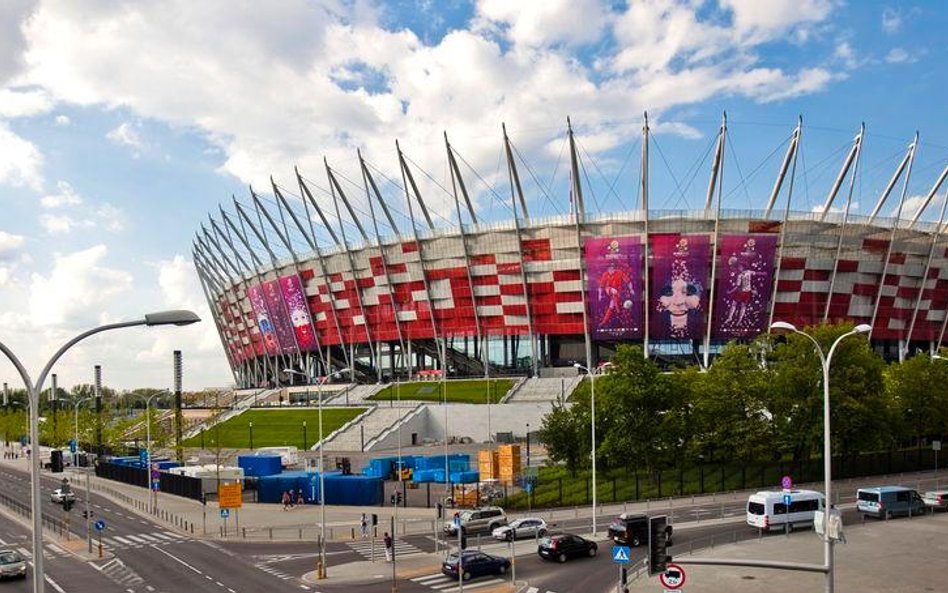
<point x="369" y="426"/>
<point x="536" y="389"/>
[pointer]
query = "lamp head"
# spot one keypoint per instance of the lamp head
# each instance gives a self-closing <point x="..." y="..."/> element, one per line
<point x="174" y="317"/>
<point x="863" y="328"/>
<point x="577" y="365"/>
<point x="783" y="325"/>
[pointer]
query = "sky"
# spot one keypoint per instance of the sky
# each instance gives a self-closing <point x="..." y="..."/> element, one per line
<point x="123" y="125"/>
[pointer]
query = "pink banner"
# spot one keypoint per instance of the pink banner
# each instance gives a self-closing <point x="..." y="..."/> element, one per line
<point x="614" y="272"/>
<point x="257" y="302"/>
<point x="278" y="315"/>
<point x="745" y="277"/>
<point x="295" y="300"/>
<point x="679" y="279"/>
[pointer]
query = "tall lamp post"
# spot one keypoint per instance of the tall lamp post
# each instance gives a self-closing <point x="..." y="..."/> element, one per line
<point x="152" y="495"/>
<point x="592" y="400"/>
<point x="178" y="317"/>
<point x="825" y="360"/>
<point x="75" y="456"/>
<point x="321" y="567"/>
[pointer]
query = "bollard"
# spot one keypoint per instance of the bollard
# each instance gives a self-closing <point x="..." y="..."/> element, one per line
<point x="301" y="533"/>
<point x="271" y="533"/>
<point x="243" y="532"/>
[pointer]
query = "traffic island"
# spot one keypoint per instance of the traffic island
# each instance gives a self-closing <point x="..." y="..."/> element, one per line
<point x="365" y="572"/>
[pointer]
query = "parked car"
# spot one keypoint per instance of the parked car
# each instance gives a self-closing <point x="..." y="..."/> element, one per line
<point x="936" y="499"/>
<point x="12" y="565"/>
<point x="632" y="530"/>
<point x="565" y="546"/>
<point x="474" y="564"/>
<point x="481" y="520"/>
<point x="766" y="509"/>
<point x="884" y="502"/>
<point x="58" y="496"/>
<point x="526" y="527"/>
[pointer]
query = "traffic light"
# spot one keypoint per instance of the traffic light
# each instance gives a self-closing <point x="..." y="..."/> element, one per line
<point x="67" y="504"/>
<point x="657" y="545"/>
<point x="375" y="519"/>
<point x="440" y="511"/>
<point x="87" y="514"/>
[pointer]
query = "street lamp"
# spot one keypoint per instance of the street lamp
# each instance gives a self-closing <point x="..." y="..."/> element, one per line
<point x="75" y="456"/>
<point x="179" y="317"/>
<point x="592" y="400"/>
<point x="321" y="566"/>
<point x="152" y="494"/>
<point x="827" y="445"/>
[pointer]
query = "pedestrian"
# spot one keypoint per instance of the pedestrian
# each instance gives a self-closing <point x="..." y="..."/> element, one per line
<point x="388" y="547"/>
<point x="364" y="526"/>
<point x="286" y="500"/>
<point x="299" y="498"/>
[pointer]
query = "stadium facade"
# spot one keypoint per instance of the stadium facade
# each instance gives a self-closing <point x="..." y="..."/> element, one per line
<point x="528" y="294"/>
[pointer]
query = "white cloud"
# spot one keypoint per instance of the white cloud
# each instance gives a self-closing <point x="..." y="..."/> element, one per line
<point x="57" y="224"/>
<point x="24" y="103"/>
<point x="9" y="245"/>
<point x="20" y="161"/>
<point x="75" y="288"/>
<point x="12" y="42"/>
<point x="765" y="18"/>
<point x="891" y="20"/>
<point x="897" y="55"/>
<point x="62" y="120"/>
<point x="126" y="134"/>
<point x="845" y="53"/>
<point x="110" y="217"/>
<point x="67" y="196"/>
<point x="540" y="23"/>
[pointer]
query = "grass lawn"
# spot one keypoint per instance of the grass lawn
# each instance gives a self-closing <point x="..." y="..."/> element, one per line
<point x="274" y="428"/>
<point x="462" y="392"/>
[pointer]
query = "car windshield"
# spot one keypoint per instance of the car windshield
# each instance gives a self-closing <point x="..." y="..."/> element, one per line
<point x="9" y="558"/>
<point x="466" y="515"/>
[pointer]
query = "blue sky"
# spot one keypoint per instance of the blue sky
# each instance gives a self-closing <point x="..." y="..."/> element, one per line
<point x="122" y="125"/>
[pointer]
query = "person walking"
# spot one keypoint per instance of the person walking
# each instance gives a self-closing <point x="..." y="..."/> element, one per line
<point x="364" y="526"/>
<point x="286" y="500"/>
<point x="299" y="498"/>
<point x="388" y="547"/>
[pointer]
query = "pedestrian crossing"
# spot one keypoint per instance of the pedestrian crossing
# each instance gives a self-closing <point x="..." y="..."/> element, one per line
<point x="441" y="582"/>
<point x="119" y="572"/>
<point x="535" y="590"/>
<point x="159" y="538"/>
<point x="402" y="549"/>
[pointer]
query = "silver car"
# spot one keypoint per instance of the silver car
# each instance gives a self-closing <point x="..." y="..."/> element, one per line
<point x="12" y="565"/>
<point x="58" y="496"/>
<point x="521" y="528"/>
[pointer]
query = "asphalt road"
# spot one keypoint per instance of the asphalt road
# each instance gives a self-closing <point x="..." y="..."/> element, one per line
<point x="145" y="557"/>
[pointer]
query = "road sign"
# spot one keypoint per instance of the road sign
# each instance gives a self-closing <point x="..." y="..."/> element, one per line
<point x="528" y="487"/>
<point x="936" y="445"/>
<point x="673" y="578"/>
<point x="99" y="525"/>
<point x="156" y="485"/>
<point x="72" y="445"/>
<point x="225" y="513"/>
<point x="787" y="499"/>
<point x="143" y="456"/>
<point x="621" y="554"/>
<point x="786" y="482"/>
<point x="229" y="496"/>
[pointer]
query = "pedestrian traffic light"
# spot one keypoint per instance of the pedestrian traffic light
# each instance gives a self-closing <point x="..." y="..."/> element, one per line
<point x="375" y="519"/>
<point x="67" y="504"/>
<point x="440" y="511"/>
<point x="87" y="514"/>
<point x="657" y="545"/>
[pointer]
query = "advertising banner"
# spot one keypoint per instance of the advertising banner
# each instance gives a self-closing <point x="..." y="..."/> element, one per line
<point x="679" y="280"/>
<point x="257" y="302"/>
<point x="614" y="276"/>
<point x="745" y="278"/>
<point x="278" y="316"/>
<point x="296" y="304"/>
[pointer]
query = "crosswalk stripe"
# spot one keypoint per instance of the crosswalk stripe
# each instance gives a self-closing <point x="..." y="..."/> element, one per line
<point x="137" y="539"/>
<point x="172" y="534"/>
<point x="24" y="552"/>
<point x="122" y="540"/>
<point x="532" y="590"/>
<point x="429" y="578"/>
<point x="163" y="536"/>
<point x="148" y="538"/>
<point x="453" y="585"/>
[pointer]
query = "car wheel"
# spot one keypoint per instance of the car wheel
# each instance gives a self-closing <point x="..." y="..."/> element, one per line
<point x="561" y="558"/>
<point x="592" y="552"/>
<point x="503" y="569"/>
<point x="789" y="527"/>
<point x="509" y="537"/>
<point x="466" y="576"/>
<point x="542" y="533"/>
<point x="635" y="540"/>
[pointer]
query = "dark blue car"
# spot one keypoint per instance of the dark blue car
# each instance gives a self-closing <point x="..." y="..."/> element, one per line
<point x="474" y="564"/>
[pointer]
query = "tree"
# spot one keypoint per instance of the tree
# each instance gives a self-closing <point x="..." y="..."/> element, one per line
<point x="918" y="390"/>
<point x="562" y="432"/>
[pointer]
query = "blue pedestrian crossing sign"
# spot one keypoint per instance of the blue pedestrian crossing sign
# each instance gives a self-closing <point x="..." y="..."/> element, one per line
<point x="225" y="513"/>
<point x="621" y="554"/>
<point x="787" y="499"/>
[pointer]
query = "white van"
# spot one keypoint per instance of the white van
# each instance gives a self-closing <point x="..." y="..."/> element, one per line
<point x="767" y="510"/>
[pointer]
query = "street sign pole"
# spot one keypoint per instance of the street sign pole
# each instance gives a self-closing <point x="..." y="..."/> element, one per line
<point x="88" y="513"/>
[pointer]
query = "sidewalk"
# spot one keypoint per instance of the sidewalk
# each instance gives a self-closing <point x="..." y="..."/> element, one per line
<point x="896" y="556"/>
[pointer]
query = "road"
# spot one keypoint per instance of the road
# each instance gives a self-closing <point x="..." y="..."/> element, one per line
<point x="148" y="557"/>
<point x="143" y="556"/>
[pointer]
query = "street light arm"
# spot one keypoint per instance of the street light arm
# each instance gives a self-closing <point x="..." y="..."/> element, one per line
<point x="20" y="369"/>
<point x="829" y="357"/>
<point x="819" y="349"/>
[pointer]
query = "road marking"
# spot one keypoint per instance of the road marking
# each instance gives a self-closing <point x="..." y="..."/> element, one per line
<point x="3" y="543"/>
<point x="122" y="540"/>
<point x="149" y="538"/>
<point x="24" y="552"/>
<point x="137" y="539"/>
<point x="532" y="590"/>
<point x="173" y="557"/>
<point x="54" y="584"/>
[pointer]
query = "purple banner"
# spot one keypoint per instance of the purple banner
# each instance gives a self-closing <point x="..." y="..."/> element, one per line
<point x="679" y="279"/>
<point x="281" y="321"/>
<point x="295" y="300"/>
<point x="255" y="294"/>
<point x="613" y="267"/>
<point x="745" y="281"/>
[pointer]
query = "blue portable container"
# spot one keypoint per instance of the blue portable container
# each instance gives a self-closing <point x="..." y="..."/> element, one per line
<point x="465" y="477"/>
<point x="260" y="465"/>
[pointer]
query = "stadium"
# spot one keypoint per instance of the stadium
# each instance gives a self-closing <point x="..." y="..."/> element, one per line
<point x="529" y="295"/>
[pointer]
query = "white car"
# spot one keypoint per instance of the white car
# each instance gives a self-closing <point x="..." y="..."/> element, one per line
<point x="58" y="496"/>
<point x="521" y="528"/>
<point x="936" y="499"/>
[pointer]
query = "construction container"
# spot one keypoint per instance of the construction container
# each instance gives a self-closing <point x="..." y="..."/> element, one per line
<point x="260" y="465"/>
<point x="488" y="464"/>
<point x="509" y="466"/>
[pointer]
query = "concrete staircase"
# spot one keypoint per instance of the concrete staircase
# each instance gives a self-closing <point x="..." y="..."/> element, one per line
<point x="242" y="402"/>
<point x="370" y="425"/>
<point x="536" y="389"/>
<point x="355" y="395"/>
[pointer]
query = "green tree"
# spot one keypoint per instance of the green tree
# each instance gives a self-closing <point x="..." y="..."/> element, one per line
<point x="918" y="390"/>
<point x="562" y="431"/>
